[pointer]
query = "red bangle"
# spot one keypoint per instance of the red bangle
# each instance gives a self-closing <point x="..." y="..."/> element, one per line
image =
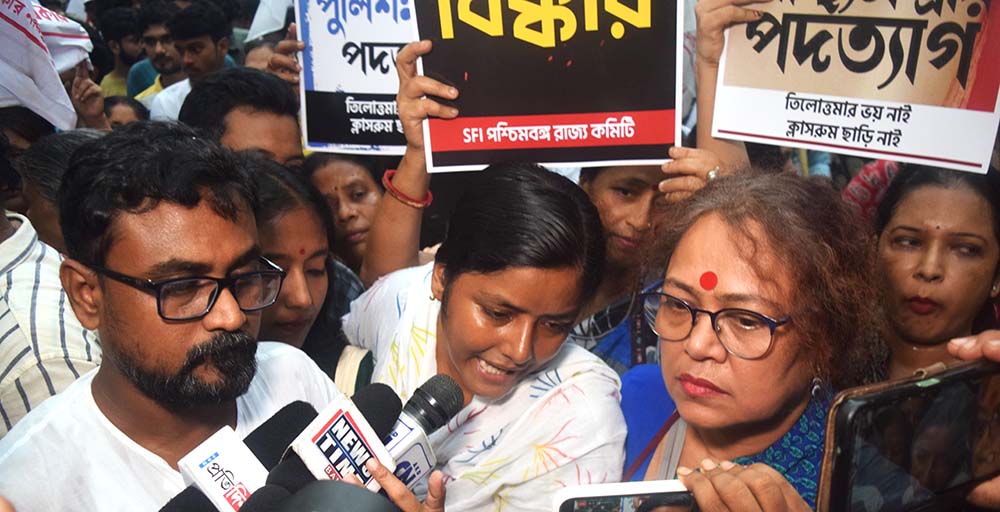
<point x="401" y="197"/>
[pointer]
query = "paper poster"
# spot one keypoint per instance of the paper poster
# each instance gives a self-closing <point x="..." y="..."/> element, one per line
<point x="559" y="82"/>
<point x="904" y="80"/>
<point x="348" y="81"/>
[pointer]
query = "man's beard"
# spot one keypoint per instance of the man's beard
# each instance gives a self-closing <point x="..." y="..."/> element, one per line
<point x="233" y="357"/>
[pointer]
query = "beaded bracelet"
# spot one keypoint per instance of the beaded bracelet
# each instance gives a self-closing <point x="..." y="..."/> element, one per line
<point x="401" y="197"/>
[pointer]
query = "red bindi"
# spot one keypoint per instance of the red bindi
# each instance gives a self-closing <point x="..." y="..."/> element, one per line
<point x="709" y="281"/>
<point x="302" y="252"/>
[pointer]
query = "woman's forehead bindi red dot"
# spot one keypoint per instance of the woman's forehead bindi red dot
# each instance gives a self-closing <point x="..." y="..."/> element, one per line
<point x="709" y="281"/>
<point x="302" y="252"/>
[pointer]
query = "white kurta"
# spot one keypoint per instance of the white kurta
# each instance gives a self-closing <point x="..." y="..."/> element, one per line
<point x="66" y="455"/>
<point x="560" y="426"/>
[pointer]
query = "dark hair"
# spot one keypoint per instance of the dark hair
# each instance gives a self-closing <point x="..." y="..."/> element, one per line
<point x="317" y="161"/>
<point x="280" y="190"/>
<point x="210" y="100"/>
<point x="118" y="23"/>
<point x="133" y="169"/>
<point x="25" y="122"/>
<point x="45" y="162"/>
<point x="522" y="215"/>
<point x="140" y="110"/>
<point x="821" y="245"/>
<point x="10" y="180"/>
<point x="155" y="12"/>
<point x="99" y="7"/>
<point x="912" y="177"/>
<point x="201" y="18"/>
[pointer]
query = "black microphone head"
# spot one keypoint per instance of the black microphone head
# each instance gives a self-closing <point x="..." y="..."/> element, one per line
<point x="269" y="441"/>
<point x="189" y="500"/>
<point x="380" y="406"/>
<point x="323" y="495"/>
<point x="266" y="499"/>
<point x="290" y="474"/>
<point x="435" y="402"/>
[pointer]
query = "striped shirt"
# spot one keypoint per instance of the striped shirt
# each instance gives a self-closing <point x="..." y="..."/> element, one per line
<point x="43" y="347"/>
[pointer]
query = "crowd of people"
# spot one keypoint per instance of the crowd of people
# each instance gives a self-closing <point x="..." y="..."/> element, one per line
<point x="175" y="264"/>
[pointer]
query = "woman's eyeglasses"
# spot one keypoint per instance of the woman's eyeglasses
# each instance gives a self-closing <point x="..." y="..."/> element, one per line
<point x="745" y="334"/>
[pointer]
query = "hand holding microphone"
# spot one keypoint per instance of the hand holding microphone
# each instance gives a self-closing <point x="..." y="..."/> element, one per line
<point x="401" y="495"/>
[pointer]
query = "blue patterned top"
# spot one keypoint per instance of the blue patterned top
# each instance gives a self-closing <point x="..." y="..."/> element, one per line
<point x="798" y="455"/>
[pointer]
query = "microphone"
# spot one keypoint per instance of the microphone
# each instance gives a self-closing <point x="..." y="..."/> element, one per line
<point x="267" y="442"/>
<point x="270" y="440"/>
<point x="340" y="440"/>
<point x="223" y="469"/>
<point x="323" y="494"/>
<point x="432" y="405"/>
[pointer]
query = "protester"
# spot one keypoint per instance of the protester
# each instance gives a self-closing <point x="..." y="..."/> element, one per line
<point x="161" y="54"/>
<point x="151" y="212"/>
<point x="120" y="30"/>
<point x="493" y="312"/>
<point x="247" y="109"/>
<point x="624" y="198"/>
<point x="765" y="308"/>
<point x="43" y="348"/>
<point x="352" y="188"/>
<point x="122" y="110"/>
<point x="294" y="225"/>
<point x="201" y="36"/>
<point x="939" y="252"/>
<point x="42" y="168"/>
<point x="939" y="255"/>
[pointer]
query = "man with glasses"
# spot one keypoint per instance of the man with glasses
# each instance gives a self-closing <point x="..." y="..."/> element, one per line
<point x="163" y="262"/>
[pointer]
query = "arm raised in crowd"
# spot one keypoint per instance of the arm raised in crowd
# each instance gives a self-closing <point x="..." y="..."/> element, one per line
<point x="689" y="169"/>
<point x="282" y="62"/>
<point x="714" y="16"/>
<point x="88" y="100"/>
<point x="394" y="239"/>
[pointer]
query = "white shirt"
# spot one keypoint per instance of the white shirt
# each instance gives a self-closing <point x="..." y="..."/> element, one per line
<point x="560" y="426"/>
<point x="43" y="347"/>
<point x="167" y="103"/>
<point x="66" y="455"/>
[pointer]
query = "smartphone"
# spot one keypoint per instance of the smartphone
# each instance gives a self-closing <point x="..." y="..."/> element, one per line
<point x="912" y="445"/>
<point x="653" y="496"/>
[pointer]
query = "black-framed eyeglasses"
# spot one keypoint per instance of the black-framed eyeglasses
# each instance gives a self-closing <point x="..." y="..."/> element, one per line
<point x="190" y="298"/>
<point x="745" y="334"/>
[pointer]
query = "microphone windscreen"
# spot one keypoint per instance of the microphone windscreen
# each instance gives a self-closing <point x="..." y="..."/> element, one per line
<point x="269" y="441"/>
<point x="380" y="406"/>
<point x="435" y="402"/>
<point x="266" y="499"/>
<point x="336" y="495"/>
<point x="290" y="474"/>
<point x="189" y="500"/>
